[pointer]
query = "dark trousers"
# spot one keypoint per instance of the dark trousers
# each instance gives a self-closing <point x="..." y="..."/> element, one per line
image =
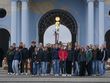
<point x="63" y="67"/>
<point x="31" y="67"/>
<point x="89" y="68"/>
<point x="82" y="70"/>
<point x="24" y="63"/>
<point x="49" y="67"/>
<point x="10" y="66"/>
<point x="0" y="62"/>
<point x="68" y="67"/>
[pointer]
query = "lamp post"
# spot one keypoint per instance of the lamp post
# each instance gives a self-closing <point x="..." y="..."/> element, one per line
<point x="57" y="24"/>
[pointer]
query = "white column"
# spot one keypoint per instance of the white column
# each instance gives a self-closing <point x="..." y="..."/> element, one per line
<point x="18" y="22"/>
<point x="13" y="21"/>
<point x="90" y="29"/>
<point x="101" y="22"/>
<point x="25" y="29"/>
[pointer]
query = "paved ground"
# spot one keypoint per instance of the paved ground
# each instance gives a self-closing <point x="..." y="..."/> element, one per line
<point x="4" y="78"/>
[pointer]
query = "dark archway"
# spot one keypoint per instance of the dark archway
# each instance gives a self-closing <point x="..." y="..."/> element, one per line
<point x="48" y="19"/>
<point x="4" y="39"/>
<point x="107" y="39"/>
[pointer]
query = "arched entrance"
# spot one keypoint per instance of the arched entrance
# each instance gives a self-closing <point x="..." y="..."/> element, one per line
<point x="107" y="39"/>
<point x="4" y="39"/>
<point x="66" y="19"/>
<point x="64" y="35"/>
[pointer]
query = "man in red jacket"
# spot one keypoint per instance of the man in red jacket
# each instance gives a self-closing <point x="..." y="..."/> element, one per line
<point x="63" y="56"/>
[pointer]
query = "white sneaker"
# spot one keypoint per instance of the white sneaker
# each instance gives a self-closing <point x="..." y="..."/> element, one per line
<point x="56" y="75"/>
<point x="63" y="75"/>
<point x="69" y="75"/>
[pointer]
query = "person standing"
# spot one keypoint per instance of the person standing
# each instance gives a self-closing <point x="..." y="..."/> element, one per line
<point x="82" y="62"/>
<point x="44" y="61"/>
<point x="69" y="61"/>
<point x="16" y="61"/>
<point x="49" y="59"/>
<point x="55" y="60"/>
<point x="24" y="59"/>
<point x="89" y="60"/>
<point x="36" y="62"/>
<point x="76" y="61"/>
<point x="31" y="51"/>
<point x="10" y="56"/>
<point x="63" y="57"/>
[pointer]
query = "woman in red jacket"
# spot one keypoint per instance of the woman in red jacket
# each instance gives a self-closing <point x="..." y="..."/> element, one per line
<point x="63" y="56"/>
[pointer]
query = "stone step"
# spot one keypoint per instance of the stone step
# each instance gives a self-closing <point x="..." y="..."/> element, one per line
<point x="53" y="80"/>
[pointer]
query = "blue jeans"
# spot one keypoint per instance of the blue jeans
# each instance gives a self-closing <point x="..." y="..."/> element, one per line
<point x="44" y="67"/>
<point x="15" y="67"/>
<point x="100" y="68"/>
<point x="76" y="70"/>
<point x="94" y="67"/>
<point x="36" y="68"/>
<point x="56" y="67"/>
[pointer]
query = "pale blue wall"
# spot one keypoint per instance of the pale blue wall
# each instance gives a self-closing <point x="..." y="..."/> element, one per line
<point x="78" y="8"/>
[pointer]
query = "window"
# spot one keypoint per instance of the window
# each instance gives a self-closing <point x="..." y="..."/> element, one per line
<point x="2" y="13"/>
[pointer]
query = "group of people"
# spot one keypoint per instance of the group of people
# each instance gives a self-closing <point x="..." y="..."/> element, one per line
<point x="57" y="59"/>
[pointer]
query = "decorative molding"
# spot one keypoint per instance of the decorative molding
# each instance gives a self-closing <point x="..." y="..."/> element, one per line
<point x="101" y="0"/>
<point x="25" y="0"/>
<point x="20" y="0"/>
<point x="14" y="0"/>
<point x="90" y="0"/>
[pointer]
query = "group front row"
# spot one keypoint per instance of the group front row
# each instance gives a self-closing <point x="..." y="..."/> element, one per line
<point x="57" y="60"/>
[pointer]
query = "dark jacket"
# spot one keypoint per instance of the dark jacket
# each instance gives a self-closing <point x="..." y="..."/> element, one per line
<point x="99" y="55"/>
<point x="40" y="53"/>
<point x="25" y="53"/>
<point x="10" y="55"/>
<point x="45" y="56"/>
<point x="36" y="57"/>
<point x="49" y="54"/>
<point x="55" y="53"/>
<point x="31" y="51"/>
<point x="70" y="55"/>
<point x="76" y="55"/>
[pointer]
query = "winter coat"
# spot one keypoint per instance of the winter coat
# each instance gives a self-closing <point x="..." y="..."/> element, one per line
<point x="55" y="53"/>
<point x="63" y="55"/>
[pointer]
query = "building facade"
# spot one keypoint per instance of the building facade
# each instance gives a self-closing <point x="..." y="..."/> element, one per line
<point x="25" y="20"/>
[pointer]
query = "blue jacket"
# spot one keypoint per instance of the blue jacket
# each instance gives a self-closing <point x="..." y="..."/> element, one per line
<point x="17" y="56"/>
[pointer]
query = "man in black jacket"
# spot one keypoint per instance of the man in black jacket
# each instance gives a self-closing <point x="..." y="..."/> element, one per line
<point x="31" y="51"/>
<point x="24" y="61"/>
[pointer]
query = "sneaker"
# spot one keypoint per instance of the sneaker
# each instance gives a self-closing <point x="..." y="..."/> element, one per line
<point x="56" y="74"/>
<point x="63" y="75"/>
<point x="69" y="75"/>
